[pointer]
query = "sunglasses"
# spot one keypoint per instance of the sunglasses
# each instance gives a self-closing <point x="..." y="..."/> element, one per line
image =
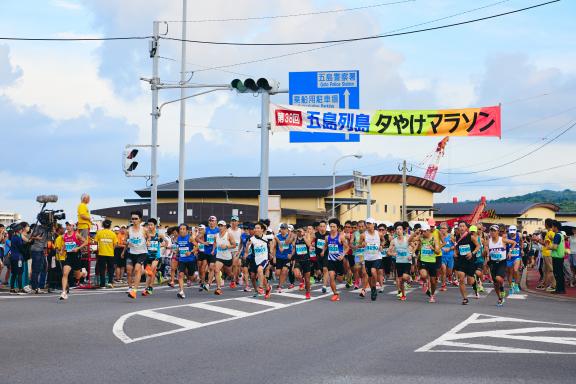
<point x="134" y="218"/>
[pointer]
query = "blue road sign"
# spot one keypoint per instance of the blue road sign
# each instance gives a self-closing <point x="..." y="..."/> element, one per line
<point x="324" y="89"/>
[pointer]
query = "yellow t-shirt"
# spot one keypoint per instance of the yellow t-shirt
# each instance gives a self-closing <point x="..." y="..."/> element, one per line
<point x="60" y="250"/>
<point x="436" y="236"/>
<point x="83" y="210"/>
<point x="548" y="240"/>
<point x="106" y="240"/>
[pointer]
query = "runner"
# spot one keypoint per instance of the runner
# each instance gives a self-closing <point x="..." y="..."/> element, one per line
<point x="335" y="247"/>
<point x="360" y="275"/>
<point x="174" y="254"/>
<point x="119" y="250"/>
<point x="236" y="233"/>
<point x="246" y="235"/>
<point x="514" y="259"/>
<point x="154" y="243"/>
<point x="224" y="245"/>
<point x="399" y="250"/>
<point x="187" y="264"/>
<point x="301" y="255"/>
<point x="73" y="244"/>
<point x="207" y="258"/>
<point x="137" y="253"/>
<point x="386" y="265"/>
<point x="438" y="240"/>
<point x="466" y="248"/>
<point x="448" y="246"/>
<point x="370" y="241"/>
<point x="480" y="260"/>
<point x="497" y="260"/>
<point x="281" y="254"/>
<point x="320" y="240"/>
<point x="259" y="248"/>
<point x="428" y="266"/>
<point x="349" y="259"/>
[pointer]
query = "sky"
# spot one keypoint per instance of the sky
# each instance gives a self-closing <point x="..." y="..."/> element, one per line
<point x="69" y="108"/>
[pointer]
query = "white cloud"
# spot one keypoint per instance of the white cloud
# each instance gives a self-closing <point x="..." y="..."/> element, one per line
<point x="70" y="5"/>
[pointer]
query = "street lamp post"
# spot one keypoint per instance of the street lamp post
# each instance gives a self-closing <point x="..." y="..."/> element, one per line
<point x="334" y="180"/>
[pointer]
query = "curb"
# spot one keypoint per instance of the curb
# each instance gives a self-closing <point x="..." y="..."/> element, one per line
<point x="525" y="288"/>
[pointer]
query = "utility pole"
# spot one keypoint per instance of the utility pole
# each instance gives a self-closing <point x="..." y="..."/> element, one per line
<point x="264" y="154"/>
<point x="155" y="81"/>
<point x="404" y="169"/>
<point x="369" y="197"/>
<point x="182" y="149"/>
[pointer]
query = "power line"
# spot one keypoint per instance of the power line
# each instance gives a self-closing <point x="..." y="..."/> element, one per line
<point x="366" y="37"/>
<point x="516" y="175"/>
<point x="75" y="38"/>
<point x="572" y="125"/>
<point x="262" y="59"/>
<point x="291" y="15"/>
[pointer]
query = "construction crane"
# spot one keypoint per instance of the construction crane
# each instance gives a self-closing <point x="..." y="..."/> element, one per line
<point x="477" y="214"/>
<point x="434" y="159"/>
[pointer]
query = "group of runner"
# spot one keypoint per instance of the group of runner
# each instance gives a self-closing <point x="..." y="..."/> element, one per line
<point x="363" y="254"/>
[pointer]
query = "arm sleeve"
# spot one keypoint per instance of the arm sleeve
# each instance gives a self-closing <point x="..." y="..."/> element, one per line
<point x="557" y="239"/>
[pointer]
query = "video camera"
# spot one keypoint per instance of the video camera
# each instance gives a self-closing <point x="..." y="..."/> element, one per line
<point x="49" y="217"/>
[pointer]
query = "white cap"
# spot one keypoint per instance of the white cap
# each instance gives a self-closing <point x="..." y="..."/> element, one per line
<point x="424" y="226"/>
<point x="370" y="220"/>
<point x="290" y="227"/>
<point x="222" y="222"/>
<point x="512" y="229"/>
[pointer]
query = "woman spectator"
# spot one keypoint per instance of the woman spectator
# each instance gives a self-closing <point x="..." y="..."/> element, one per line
<point x="17" y="252"/>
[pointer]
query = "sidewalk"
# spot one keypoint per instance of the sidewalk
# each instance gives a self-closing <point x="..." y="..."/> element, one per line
<point x="530" y="279"/>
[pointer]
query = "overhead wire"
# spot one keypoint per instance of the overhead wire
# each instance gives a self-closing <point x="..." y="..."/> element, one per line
<point x="354" y="39"/>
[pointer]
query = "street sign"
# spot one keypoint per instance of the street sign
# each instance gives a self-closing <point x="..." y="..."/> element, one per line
<point x="324" y="89"/>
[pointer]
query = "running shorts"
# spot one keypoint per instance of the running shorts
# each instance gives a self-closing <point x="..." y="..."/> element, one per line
<point x="253" y="267"/>
<point x="136" y="259"/>
<point x="403" y="269"/>
<point x="187" y="267"/>
<point x="118" y="259"/>
<point x="304" y="266"/>
<point x="351" y="260"/>
<point x="387" y="265"/>
<point x="227" y="263"/>
<point x="430" y="267"/>
<point x="510" y="262"/>
<point x="448" y="261"/>
<point x="202" y="256"/>
<point x="335" y="266"/>
<point x="376" y="264"/>
<point x="282" y="263"/>
<point x="73" y="260"/>
<point x="464" y="265"/>
<point x="438" y="262"/>
<point x="497" y="268"/>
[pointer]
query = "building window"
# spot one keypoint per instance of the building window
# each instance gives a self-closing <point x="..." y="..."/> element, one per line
<point x="117" y="212"/>
<point x="385" y="208"/>
<point x="145" y="212"/>
<point x="189" y="212"/>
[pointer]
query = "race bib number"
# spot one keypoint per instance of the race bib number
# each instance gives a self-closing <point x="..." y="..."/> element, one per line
<point x="427" y="251"/>
<point x="333" y="249"/>
<point x="372" y="248"/>
<point x="465" y="249"/>
<point x="402" y="256"/>
<point x="515" y="252"/>
<point x="135" y="240"/>
<point x="496" y="256"/>
<point x="201" y="247"/>
<point x="301" y="249"/>
<point x="260" y="251"/>
<point x="70" y="245"/>
<point x="210" y="238"/>
<point x="183" y="251"/>
<point x="320" y="243"/>
<point x="153" y="246"/>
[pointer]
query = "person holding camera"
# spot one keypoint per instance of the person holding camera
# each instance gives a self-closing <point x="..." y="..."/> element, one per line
<point x="39" y="242"/>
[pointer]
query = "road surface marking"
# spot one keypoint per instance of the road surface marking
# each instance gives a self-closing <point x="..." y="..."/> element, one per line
<point x="292" y="295"/>
<point x="456" y="338"/>
<point x="517" y="296"/>
<point x="186" y="325"/>
<point x="189" y="324"/>
<point x="214" y="308"/>
<point x="484" y="294"/>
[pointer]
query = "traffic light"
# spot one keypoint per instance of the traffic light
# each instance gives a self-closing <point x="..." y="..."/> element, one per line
<point x="129" y="164"/>
<point x="251" y="85"/>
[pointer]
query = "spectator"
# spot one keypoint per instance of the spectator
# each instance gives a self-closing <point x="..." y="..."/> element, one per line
<point x="39" y="242"/>
<point x="558" y="253"/>
<point x="84" y="219"/>
<point x="549" y="283"/>
<point x="119" y="250"/>
<point x="3" y="237"/>
<point x="573" y="257"/>
<point x="107" y="241"/>
<point x="17" y="252"/>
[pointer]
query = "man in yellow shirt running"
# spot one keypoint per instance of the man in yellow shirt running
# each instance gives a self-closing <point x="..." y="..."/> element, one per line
<point x="107" y="241"/>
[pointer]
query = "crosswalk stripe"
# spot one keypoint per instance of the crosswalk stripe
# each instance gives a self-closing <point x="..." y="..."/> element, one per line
<point x="226" y="311"/>
<point x="293" y="295"/>
<point x="338" y="286"/>
<point x="261" y="302"/>
<point x="184" y="323"/>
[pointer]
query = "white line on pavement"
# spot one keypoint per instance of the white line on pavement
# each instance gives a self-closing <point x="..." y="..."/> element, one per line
<point x="226" y="311"/>
<point x="188" y="324"/>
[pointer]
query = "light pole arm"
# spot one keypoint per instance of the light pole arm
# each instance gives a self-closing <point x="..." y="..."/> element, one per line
<point x="189" y="97"/>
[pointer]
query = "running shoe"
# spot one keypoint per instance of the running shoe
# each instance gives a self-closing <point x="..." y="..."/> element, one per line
<point x="480" y="288"/>
<point x="335" y="297"/>
<point x="267" y="295"/>
<point x="324" y="289"/>
<point x="206" y="287"/>
<point x="189" y="283"/>
<point x="355" y="287"/>
<point x="443" y="288"/>
<point x="109" y="286"/>
<point x="511" y="291"/>
<point x="402" y="298"/>
<point x="516" y="288"/>
<point x="148" y="270"/>
<point x="290" y="286"/>
<point x="432" y="299"/>
<point x="181" y="295"/>
<point x="13" y="292"/>
<point x="260" y="290"/>
<point x="373" y="295"/>
<point x="428" y="292"/>
<point x="150" y="290"/>
<point x="362" y="293"/>
<point x="541" y="287"/>
<point x="233" y="284"/>
<point x="201" y="287"/>
<point x="132" y="294"/>
<point x="550" y="289"/>
<point x="381" y="290"/>
<point x="171" y="284"/>
<point x="301" y="286"/>
<point x="63" y="296"/>
<point x="456" y="283"/>
<point x="278" y="290"/>
<point x="500" y="303"/>
<point x="312" y="280"/>
<point x="347" y="285"/>
<point x="129" y="289"/>
<point x="145" y="292"/>
<point x="218" y="292"/>
<point x="307" y="295"/>
<point x="255" y="294"/>
<point x="465" y="301"/>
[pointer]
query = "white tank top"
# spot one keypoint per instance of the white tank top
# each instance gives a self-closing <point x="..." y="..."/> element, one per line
<point x="222" y="241"/>
<point x="236" y="235"/>
<point x="137" y="240"/>
<point x="497" y="250"/>
<point x="372" y="249"/>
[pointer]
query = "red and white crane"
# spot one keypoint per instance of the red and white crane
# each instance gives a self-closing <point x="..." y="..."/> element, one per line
<point x="434" y="159"/>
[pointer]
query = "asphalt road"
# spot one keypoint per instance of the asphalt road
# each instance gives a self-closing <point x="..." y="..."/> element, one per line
<point x="96" y="336"/>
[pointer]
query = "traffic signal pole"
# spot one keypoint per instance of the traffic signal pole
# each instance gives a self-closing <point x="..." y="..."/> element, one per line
<point x="182" y="145"/>
<point x="264" y="155"/>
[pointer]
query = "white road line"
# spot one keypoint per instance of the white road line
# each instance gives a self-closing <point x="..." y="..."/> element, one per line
<point x="226" y="311"/>
<point x="486" y="292"/>
<point x="184" y="323"/>
<point x="517" y="296"/>
<point x="260" y="302"/>
<point x="292" y="295"/>
<point x="328" y="289"/>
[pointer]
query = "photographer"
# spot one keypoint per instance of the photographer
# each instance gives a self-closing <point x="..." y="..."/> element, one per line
<point x="39" y="241"/>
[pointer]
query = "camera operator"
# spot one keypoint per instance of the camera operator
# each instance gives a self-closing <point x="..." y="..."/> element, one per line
<point x="39" y="241"/>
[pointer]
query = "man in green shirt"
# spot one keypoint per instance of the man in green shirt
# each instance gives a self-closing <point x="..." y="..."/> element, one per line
<point x="558" y="253"/>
